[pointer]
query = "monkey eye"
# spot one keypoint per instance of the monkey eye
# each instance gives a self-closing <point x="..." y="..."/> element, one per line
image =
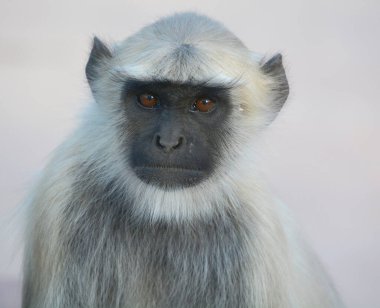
<point x="149" y="101"/>
<point x="203" y="105"/>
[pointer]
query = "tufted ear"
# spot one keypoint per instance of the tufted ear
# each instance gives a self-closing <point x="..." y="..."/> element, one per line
<point x="274" y="69"/>
<point x="98" y="55"/>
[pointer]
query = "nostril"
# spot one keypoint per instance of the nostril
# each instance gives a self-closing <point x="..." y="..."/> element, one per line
<point x="180" y="141"/>
<point x="158" y="142"/>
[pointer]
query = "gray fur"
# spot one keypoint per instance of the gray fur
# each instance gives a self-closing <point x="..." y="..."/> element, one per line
<point x="176" y="264"/>
<point x="99" y="51"/>
<point x="280" y="91"/>
<point x="98" y="237"/>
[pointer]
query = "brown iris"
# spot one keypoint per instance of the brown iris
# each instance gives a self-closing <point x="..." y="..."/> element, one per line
<point x="148" y="100"/>
<point x="204" y="105"/>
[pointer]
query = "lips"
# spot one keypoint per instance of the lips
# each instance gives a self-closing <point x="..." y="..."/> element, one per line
<point x="169" y="176"/>
<point x="172" y="168"/>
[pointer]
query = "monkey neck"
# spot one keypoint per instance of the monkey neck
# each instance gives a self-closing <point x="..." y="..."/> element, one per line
<point x="169" y="263"/>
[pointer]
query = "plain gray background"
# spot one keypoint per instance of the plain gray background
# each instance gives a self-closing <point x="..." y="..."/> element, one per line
<point x="321" y="156"/>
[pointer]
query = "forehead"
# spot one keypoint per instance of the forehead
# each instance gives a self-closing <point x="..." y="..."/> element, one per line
<point x="181" y="63"/>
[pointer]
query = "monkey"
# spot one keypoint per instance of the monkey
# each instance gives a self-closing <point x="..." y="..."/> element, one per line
<point x="155" y="199"/>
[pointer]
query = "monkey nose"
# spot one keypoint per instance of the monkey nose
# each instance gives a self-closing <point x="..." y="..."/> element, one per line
<point x="169" y="144"/>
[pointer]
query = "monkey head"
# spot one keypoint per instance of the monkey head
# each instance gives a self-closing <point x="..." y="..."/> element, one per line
<point x="183" y="106"/>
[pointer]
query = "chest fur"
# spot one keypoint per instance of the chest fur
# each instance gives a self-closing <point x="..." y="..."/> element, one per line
<point x="163" y="265"/>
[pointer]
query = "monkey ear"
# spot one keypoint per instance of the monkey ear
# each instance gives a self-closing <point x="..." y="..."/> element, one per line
<point x="99" y="53"/>
<point x="274" y="69"/>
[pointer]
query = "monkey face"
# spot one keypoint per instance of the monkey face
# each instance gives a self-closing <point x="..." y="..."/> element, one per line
<point x="183" y="112"/>
<point x="176" y="130"/>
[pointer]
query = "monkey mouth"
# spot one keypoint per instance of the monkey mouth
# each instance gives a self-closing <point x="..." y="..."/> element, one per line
<point x="171" y="168"/>
<point x="170" y="176"/>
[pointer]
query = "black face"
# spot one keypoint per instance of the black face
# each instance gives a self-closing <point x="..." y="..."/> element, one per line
<point x="176" y="130"/>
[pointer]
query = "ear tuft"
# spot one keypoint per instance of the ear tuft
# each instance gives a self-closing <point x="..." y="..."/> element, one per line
<point x="274" y="69"/>
<point x="272" y="64"/>
<point x="98" y="54"/>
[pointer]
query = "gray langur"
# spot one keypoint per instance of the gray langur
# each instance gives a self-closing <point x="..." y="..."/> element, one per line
<point x="154" y="201"/>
